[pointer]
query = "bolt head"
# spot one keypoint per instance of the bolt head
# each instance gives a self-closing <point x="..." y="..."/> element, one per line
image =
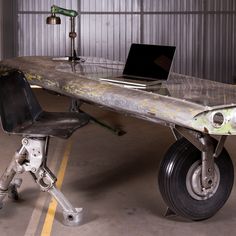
<point x="25" y="141"/>
<point x="33" y="169"/>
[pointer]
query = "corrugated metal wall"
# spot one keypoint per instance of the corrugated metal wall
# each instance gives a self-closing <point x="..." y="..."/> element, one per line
<point x="109" y="27"/>
<point x="37" y="38"/>
<point x="1" y="30"/>
<point x="204" y="31"/>
<point x="8" y="22"/>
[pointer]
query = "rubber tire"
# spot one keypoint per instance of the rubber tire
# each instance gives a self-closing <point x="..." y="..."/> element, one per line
<point x="172" y="181"/>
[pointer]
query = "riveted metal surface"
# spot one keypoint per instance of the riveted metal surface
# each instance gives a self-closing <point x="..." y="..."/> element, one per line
<point x="182" y="100"/>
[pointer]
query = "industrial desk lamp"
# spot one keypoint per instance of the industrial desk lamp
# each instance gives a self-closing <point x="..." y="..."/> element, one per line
<point x="55" y="20"/>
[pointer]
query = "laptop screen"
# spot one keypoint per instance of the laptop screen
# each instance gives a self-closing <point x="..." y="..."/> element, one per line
<point x="149" y="62"/>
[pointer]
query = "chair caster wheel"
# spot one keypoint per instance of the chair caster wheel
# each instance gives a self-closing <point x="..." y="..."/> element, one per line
<point x="73" y="218"/>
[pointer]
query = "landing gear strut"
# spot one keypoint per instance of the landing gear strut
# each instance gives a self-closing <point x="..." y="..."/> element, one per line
<point x="32" y="158"/>
<point x="196" y="178"/>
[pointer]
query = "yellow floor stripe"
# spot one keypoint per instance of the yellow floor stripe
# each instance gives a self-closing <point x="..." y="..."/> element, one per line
<point x="47" y="227"/>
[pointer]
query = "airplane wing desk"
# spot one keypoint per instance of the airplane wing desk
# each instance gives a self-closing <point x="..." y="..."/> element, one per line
<point x="196" y="175"/>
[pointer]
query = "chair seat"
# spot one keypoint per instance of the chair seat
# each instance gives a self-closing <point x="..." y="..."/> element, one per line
<point x="22" y="114"/>
<point x="54" y="124"/>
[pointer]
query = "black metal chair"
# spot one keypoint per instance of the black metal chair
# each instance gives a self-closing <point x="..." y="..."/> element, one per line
<point x="21" y="114"/>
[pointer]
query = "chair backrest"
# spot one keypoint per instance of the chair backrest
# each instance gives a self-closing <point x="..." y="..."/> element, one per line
<point x="18" y="104"/>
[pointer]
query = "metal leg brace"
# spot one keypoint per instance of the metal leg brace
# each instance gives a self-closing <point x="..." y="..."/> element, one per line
<point x="205" y="144"/>
<point x="75" y="107"/>
<point x="6" y="184"/>
<point x="32" y="158"/>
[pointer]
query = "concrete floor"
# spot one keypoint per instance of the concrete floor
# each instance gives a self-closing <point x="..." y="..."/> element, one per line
<point x="113" y="178"/>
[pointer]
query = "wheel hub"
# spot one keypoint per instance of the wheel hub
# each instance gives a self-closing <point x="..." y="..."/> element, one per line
<point x="194" y="183"/>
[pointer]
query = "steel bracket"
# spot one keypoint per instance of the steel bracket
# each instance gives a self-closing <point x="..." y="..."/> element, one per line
<point x="32" y="158"/>
<point x="45" y="178"/>
<point x="75" y="107"/>
<point x="36" y="153"/>
<point x="204" y="143"/>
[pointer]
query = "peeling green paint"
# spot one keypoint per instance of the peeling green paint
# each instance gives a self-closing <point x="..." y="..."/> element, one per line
<point x="205" y="121"/>
<point x="182" y="100"/>
<point x="32" y="78"/>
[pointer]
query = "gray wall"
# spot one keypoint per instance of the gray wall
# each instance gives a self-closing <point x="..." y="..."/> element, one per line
<point x="204" y="31"/>
<point x="1" y="30"/>
<point x="8" y="29"/>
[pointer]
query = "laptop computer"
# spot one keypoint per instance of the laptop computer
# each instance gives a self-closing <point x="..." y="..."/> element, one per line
<point x="146" y="65"/>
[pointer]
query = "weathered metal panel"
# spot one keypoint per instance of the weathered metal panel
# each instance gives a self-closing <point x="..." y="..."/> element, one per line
<point x="182" y="100"/>
<point x="44" y="72"/>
